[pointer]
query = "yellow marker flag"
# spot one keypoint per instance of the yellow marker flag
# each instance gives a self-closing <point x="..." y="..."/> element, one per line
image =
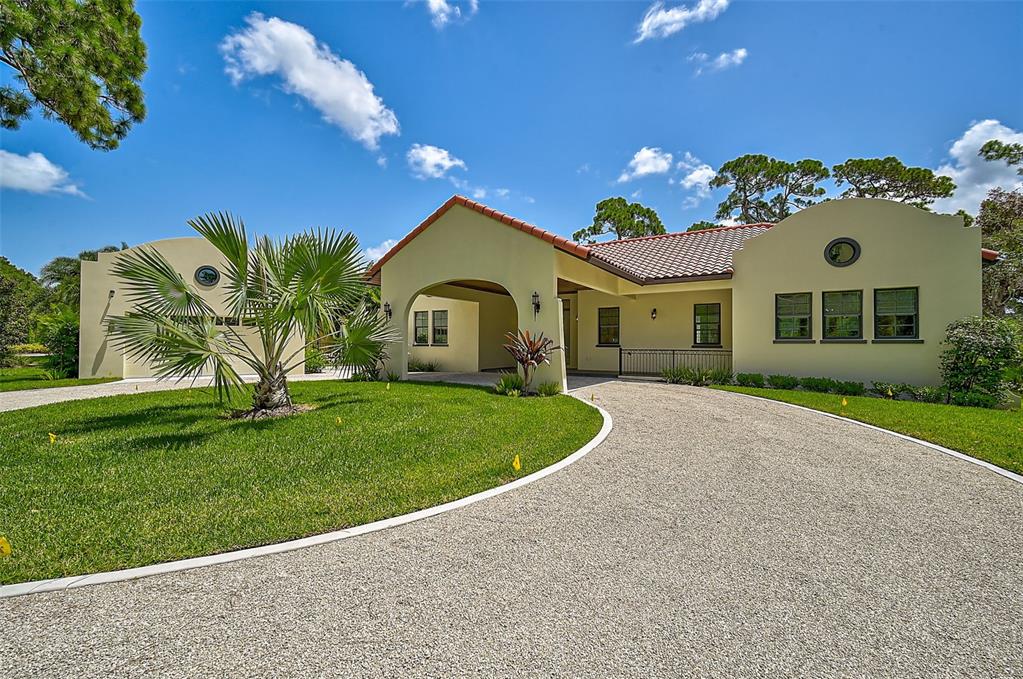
<point x="5" y="546"/>
<point x="845" y="402"/>
<point x="388" y="386"/>
<point x="53" y="438"/>
<point x="516" y="465"/>
<point x="890" y="392"/>
<point x="339" y="420"/>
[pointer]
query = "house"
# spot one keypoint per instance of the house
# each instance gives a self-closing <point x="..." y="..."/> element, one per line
<point x="854" y="289"/>
<point x="103" y="295"/>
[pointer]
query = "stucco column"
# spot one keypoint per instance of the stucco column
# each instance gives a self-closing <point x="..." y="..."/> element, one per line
<point x="547" y="321"/>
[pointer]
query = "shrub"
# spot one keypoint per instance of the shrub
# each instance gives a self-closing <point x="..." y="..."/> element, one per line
<point x="509" y="382"/>
<point x="782" y="381"/>
<point x="59" y="331"/>
<point x="315" y="361"/>
<point x="393" y="376"/>
<point x="720" y="376"/>
<point x="514" y="393"/>
<point x="29" y="348"/>
<point x="417" y="366"/>
<point x="929" y="394"/>
<point x="548" y="389"/>
<point x="364" y="376"/>
<point x="823" y="385"/>
<point x="676" y="375"/>
<point x="750" y="379"/>
<point x="530" y="352"/>
<point x="981" y="353"/>
<point x="850" y="388"/>
<point x="974" y="399"/>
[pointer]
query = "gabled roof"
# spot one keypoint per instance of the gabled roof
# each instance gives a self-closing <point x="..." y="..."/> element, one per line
<point x="673" y="256"/>
<point x="665" y="258"/>
<point x="560" y="242"/>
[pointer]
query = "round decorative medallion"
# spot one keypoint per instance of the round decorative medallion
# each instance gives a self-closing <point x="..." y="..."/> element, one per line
<point x="207" y="276"/>
<point x="842" y="252"/>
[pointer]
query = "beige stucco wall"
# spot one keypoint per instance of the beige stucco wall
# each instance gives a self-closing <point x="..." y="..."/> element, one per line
<point x="102" y="294"/>
<point x="461" y="354"/>
<point x="672" y="329"/>
<point x="465" y="245"/>
<point x="902" y="246"/>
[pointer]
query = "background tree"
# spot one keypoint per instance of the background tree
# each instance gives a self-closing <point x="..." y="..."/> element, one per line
<point x="1001" y="225"/>
<point x="703" y="226"/>
<point x="765" y="189"/>
<point x="623" y="219"/>
<point x="304" y="284"/>
<point x="62" y="276"/>
<point x="80" y="61"/>
<point x="13" y="316"/>
<point x="889" y="178"/>
<point x="1011" y="153"/>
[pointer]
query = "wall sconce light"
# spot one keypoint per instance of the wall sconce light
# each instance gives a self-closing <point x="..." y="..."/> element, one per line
<point x="387" y="310"/>
<point x="536" y="303"/>
<point x="653" y="314"/>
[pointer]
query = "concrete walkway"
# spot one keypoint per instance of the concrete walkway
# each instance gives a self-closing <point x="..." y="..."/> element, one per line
<point x="710" y="535"/>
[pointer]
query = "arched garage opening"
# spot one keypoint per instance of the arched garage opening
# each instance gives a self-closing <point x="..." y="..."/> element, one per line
<point x="460" y="326"/>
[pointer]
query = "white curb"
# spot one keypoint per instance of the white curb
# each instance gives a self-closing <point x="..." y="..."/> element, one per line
<point x="933" y="446"/>
<point x="58" y="584"/>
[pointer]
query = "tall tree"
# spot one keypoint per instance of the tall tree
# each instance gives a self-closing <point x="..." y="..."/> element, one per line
<point x="62" y="276"/>
<point x="623" y="219"/>
<point x="703" y="226"/>
<point x="1011" y="153"/>
<point x="1001" y="226"/>
<point x="766" y="189"/>
<point x="14" y="320"/>
<point x="890" y="178"/>
<point x="80" y="61"/>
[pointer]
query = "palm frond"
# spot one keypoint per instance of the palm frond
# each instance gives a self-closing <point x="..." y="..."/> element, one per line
<point x="360" y="342"/>
<point x="153" y="284"/>
<point x="179" y="348"/>
<point x="230" y="238"/>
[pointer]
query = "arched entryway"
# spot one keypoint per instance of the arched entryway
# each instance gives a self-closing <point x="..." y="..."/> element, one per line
<point x="460" y="326"/>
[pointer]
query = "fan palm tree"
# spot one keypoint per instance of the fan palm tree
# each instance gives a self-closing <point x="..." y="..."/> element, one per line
<point x="310" y="285"/>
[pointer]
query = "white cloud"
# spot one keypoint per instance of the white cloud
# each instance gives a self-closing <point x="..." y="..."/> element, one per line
<point x="646" y="161"/>
<point x="696" y="178"/>
<point x="339" y="90"/>
<point x="444" y="12"/>
<point x="637" y="193"/>
<point x="376" y="252"/>
<point x="34" y="173"/>
<point x="479" y="193"/>
<point x="973" y="175"/>
<point x="502" y="193"/>
<point x="659" y="22"/>
<point x="431" y="162"/>
<point x="720" y="62"/>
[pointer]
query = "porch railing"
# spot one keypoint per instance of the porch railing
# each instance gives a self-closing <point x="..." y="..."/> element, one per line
<point x="653" y="361"/>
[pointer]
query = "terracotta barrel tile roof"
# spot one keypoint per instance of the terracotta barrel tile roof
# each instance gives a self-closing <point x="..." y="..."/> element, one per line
<point x="677" y="255"/>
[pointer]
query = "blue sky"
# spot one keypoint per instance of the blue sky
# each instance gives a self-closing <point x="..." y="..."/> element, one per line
<point x="536" y="108"/>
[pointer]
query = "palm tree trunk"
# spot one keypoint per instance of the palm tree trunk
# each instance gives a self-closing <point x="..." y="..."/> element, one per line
<point x="272" y="391"/>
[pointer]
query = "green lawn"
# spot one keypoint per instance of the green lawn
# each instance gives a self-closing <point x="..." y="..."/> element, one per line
<point x="143" y="478"/>
<point x="992" y="435"/>
<point x="16" y="379"/>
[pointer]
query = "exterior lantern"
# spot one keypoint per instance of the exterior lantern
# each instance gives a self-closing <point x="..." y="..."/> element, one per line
<point x="387" y="310"/>
<point x="653" y="314"/>
<point x="536" y="303"/>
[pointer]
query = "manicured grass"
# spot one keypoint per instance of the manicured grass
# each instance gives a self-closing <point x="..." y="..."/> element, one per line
<point x="992" y="435"/>
<point x="17" y="379"/>
<point x="143" y="478"/>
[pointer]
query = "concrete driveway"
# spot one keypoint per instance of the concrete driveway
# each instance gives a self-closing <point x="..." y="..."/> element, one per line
<point x="710" y="535"/>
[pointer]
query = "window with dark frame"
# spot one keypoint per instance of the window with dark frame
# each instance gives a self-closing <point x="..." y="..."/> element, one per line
<point x="897" y="313"/>
<point x="440" y="328"/>
<point x="422" y="325"/>
<point x="843" y="314"/>
<point x="608" y="325"/>
<point x="793" y="313"/>
<point x="707" y="324"/>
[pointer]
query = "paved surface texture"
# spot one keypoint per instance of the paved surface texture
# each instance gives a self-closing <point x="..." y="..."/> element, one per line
<point x="710" y="535"/>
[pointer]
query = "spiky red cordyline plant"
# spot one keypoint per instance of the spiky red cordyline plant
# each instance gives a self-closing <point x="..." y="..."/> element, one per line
<point x="529" y="351"/>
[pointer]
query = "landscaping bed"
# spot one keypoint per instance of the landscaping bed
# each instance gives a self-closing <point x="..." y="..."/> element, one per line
<point x="995" y="436"/>
<point x="18" y="379"/>
<point x="139" y="479"/>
